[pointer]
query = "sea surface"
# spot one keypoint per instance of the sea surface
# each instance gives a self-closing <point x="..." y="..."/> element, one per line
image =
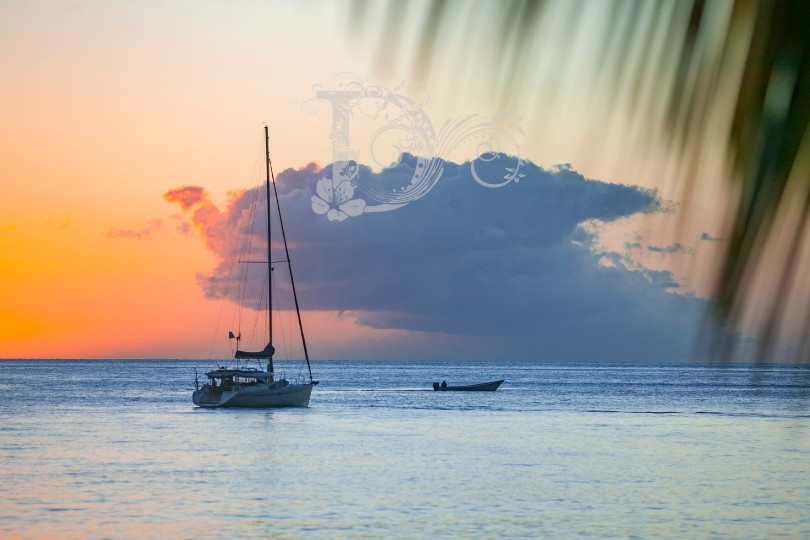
<point x="116" y="449"/>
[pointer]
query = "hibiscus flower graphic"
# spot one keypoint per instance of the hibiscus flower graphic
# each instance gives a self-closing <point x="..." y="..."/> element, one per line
<point x="336" y="200"/>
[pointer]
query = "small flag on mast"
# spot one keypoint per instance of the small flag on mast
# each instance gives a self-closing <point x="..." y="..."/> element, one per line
<point x="231" y="336"/>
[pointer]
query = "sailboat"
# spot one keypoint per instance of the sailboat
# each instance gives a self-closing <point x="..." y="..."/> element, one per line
<point x="254" y="387"/>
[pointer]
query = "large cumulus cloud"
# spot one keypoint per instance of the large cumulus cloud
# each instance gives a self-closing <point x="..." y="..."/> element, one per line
<point x="511" y="269"/>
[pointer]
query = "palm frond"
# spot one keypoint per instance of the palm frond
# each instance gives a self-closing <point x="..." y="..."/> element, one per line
<point x="685" y="73"/>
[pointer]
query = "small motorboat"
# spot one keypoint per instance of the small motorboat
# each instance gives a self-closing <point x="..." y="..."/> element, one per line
<point x="480" y="387"/>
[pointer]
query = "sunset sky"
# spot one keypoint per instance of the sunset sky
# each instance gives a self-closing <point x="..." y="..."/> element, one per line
<point x="106" y="107"/>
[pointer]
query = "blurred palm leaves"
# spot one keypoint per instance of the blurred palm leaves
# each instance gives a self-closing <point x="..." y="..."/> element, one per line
<point x="685" y="72"/>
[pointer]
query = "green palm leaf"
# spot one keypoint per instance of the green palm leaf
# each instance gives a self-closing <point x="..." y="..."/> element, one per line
<point x="671" y="69"/>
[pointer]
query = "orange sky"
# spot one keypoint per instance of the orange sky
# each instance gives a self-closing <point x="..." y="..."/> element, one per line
<point x="106" y="106"/>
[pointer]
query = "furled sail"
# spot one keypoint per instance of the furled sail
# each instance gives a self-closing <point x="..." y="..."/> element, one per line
<point x="267" y="352"/>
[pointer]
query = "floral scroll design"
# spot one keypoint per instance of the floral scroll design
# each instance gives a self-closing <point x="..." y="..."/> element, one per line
<point x="400" y="126"/>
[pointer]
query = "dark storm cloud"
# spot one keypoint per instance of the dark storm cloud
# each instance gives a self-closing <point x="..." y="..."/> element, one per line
<point x="510" y="265"/>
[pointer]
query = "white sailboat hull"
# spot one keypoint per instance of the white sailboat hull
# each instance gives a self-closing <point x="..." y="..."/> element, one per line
<point x="258" y="396"/>
<point x="242" y="386"/>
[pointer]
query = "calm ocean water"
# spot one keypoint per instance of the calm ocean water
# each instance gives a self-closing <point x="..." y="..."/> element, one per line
<point x="101" y="449"/>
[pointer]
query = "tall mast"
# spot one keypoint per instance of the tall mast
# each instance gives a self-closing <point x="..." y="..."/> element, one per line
<point x="269" y="260"/>
<point x="286" y="250"/>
